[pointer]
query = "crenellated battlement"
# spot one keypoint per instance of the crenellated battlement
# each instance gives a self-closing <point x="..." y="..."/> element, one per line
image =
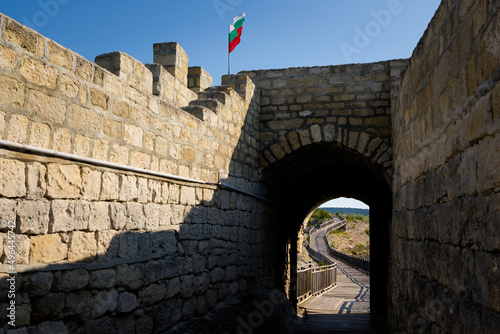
<point x="117" y="109"/>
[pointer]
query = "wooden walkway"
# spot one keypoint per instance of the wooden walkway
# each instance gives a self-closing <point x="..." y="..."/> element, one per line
<point x="344" y="309"/>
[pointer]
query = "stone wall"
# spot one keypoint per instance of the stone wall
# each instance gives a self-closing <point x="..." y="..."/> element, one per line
<point x="110" y="249"/>
<point x="55" y="99"/>
<point x="346" y="104"/>
<point x="445" y="273"/>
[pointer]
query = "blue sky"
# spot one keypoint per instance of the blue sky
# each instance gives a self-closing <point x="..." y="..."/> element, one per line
<point x="276" y="34"/>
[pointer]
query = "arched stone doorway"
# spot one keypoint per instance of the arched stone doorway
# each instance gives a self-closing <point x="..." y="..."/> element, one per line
<point x="308" y="176"/>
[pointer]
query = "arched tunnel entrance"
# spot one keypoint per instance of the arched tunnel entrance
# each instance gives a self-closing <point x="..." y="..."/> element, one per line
<point x="315" y="173"/>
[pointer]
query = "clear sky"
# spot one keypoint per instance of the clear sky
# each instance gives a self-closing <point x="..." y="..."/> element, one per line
<point x="276" y="33"/>
<point x="343" y="202"/>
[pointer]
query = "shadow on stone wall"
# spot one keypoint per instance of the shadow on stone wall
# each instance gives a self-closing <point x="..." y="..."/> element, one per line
<point x="121" y="252"/>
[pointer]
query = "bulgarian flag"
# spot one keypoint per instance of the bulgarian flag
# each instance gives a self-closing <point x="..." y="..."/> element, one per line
<point x="235" y="31"/>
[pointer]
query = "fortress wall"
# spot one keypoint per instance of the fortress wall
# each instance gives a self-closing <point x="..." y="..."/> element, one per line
<point x="55" y="99"/>
<point x="445" y="245"/>
<point x="348" y="104"/>
<point x="100" y="247"/>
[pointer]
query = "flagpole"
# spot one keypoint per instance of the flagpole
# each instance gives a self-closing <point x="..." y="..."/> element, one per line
<point x="228" y="53"/>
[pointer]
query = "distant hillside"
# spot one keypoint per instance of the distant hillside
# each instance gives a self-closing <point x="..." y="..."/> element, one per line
<point x="346" y="211"/>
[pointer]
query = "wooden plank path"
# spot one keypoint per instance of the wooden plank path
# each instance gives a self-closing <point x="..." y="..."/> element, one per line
<point x="344" y="309"/>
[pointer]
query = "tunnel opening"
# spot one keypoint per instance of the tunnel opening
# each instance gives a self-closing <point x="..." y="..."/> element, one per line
<point x="313" y="174"/>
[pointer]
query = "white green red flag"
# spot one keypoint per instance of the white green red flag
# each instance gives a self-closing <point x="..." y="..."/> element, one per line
<point x="235" y="31"/>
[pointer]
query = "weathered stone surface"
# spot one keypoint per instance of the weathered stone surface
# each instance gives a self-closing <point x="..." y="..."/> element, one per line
<point x="129" y="245"/>
<point x="17" y="130"/>
<point x="39" y="135"/>
<point x="117" y="213"/>
<point x="8" y="209"/>
<point x="128" y="188"/>
<point x="39" y="73"/>
<point x="33" y="216"/>
<point x="133" y="134"/>
<point x="49" y="327"/>
<point x="152" y="217"/>
<point x="84" y="119"/>
<point x="216" y="275"/>
<point x="63" y="181"/>
<point x="144" y="325"/>
<point x="167" y="312"/>
<point x="50" y="108"/>
<point x="13" y="181"/>
<point x="163" y="243"/>
<point x="107" y="245"/>
<point x="79" y="302"/>
<point x="40" y="283"/>
<point x="135" y="216"/>
<point x="109" y="189"/>
<point x="47" y="249"/>
<point x="91" y="184"/>
<point x="12" y="92"/>
<point x="102" y="279"/>
<point x="83" y="247"/>
<point x="104" y="301"/>
<point x="173" y="287"/>
<point x="99" y="216"/>
<point x="47" y="306"/>
<point x="23" y="315"/>
<point x="74" y="280"/>
<point x="152" y="294"/>
<point x="7" y="58"/>
<point x="36" y="183"/>
<point x="126" y="302"/>
<point x="69" y="86"/>
<point x="68" y="216"/>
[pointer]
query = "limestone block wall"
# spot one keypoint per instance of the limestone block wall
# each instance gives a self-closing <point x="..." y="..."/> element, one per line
<point x="55" y="99"/>
<point x="445" y="273"/>
<point x="102" y="247"/>
<point x="347" y="104"/>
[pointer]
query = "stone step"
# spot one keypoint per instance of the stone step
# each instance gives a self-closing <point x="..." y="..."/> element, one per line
<point x="213" y="93"/>
<point x="202" y="113"/>
<point x="214" y="105"/>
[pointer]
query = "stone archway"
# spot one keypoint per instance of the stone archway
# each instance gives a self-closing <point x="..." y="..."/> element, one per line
<point x="306" y="177"/>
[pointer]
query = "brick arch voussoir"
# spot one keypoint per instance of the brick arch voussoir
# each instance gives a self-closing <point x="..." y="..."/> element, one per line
<point x="367" y="144"/>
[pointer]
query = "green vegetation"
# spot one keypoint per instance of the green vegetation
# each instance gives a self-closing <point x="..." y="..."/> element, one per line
<point x="345" y="211"/>
<point x="318" y="216"/>
<point x="367" y="232"/>
<point x="353" y="218"/>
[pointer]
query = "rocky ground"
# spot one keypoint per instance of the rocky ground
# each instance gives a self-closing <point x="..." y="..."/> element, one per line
<point x="354" y="241"/>
<point x="303" y="258"/>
